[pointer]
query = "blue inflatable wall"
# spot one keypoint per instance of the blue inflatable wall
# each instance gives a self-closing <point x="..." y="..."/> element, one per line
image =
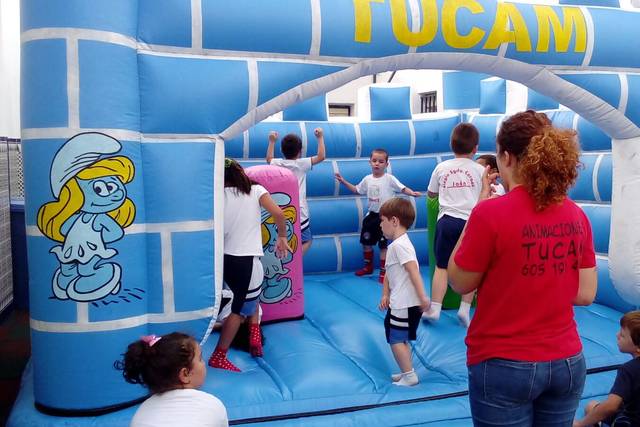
<point x="156" y="88"/>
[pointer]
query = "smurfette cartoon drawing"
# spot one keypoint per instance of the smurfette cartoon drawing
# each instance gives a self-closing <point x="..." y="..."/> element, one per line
<point x="275" y="287"/>
<point x="90" y="210"/>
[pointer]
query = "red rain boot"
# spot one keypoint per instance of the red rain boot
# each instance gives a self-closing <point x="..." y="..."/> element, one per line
<point x="368" y="264"/>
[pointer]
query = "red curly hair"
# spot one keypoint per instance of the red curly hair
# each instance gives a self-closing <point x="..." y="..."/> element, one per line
<point x="548" y="158"/>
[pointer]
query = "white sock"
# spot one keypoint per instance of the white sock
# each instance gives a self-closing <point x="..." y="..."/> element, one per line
<point x="407" y="379"/>
<point x="433" y="314"/>
<point x="464" y="315"/>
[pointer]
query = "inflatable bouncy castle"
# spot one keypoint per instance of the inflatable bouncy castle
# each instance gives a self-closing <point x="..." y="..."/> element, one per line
<point x="130" y="107"/>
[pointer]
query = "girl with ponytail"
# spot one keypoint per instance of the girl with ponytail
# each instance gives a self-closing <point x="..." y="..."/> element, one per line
<point x="530" y="256"/>
<point x="171" y="367"/>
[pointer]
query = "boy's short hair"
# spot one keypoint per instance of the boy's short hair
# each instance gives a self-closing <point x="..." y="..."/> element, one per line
<point x="631" y="321"/>
<point x="490" y="159"/>
<point x="380" y="151"/>
<point x="291" y="146"/>
<point x="464" y="138"/>
<point x="401" y="209"/>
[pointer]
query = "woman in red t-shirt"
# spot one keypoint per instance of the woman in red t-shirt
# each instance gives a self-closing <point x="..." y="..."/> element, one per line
<point x="530" y="255"/>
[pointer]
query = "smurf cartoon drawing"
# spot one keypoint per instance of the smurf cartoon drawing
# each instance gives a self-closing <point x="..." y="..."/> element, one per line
<point x="275" y="286"/>
<point x="90" y="211"/>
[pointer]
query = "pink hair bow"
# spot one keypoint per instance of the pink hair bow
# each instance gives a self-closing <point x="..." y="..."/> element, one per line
<point x="150" y="339"/>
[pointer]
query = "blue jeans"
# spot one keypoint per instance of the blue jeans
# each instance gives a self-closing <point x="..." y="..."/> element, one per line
<point x="511" y="393"/>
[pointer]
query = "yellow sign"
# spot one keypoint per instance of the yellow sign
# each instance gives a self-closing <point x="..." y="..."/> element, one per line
<point x="509" y="26"/>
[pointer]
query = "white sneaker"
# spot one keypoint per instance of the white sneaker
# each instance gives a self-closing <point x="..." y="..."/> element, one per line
<point x="407" y="379"/>
<point x="396" y="377"/>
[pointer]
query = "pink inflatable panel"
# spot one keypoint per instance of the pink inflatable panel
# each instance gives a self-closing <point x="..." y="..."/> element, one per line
<point x="282" y="289"/>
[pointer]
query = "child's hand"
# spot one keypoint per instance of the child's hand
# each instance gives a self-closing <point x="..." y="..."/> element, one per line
<point x="384" y="302"/>
<point x="339" y="177"/>
<point x="415" y="194"/>
<point x="488" y="179"/>
<point x="318" y="132"/>
<point x="282" y="247"/>
<point x="425" y="303"/>
<point x="273" y="136"/>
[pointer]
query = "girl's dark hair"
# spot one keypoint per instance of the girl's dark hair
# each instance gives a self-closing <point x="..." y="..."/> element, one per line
<point x="157" y="366"/>
<point x="548" y="158"/>
<point x="490" y="160"/>
<point x="235" y="177"/>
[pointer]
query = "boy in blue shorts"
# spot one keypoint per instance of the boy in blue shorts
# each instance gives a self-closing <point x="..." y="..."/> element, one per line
<point x="403" y="294"/>
<point x="622" y="407"/>
<point x="456" y="183"/>
<point x="291" y="147"/>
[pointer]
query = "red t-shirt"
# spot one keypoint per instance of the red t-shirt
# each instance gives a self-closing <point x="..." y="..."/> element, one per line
<point x="531" y="262"/>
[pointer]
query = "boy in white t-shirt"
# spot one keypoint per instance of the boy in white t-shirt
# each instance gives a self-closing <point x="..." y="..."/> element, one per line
<point x="403" y="294"/>
<point x="456" y="183"/>
<point x="379" y="187"/>
<point x="291" y="147"/>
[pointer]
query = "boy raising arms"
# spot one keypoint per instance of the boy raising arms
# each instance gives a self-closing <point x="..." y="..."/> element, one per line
<point x="622" y="407"/>
<point x="291" y="147"/>
<point x="379" y="187"/>
<point x="403" y="294"/>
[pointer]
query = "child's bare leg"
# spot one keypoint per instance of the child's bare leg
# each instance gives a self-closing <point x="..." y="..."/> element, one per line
<point x="464" y="312"/>
<point x="305" y="246"/>
<point x="402" y="354"/>
<point x="229" y="330"/>
<point x="438" y="290"/>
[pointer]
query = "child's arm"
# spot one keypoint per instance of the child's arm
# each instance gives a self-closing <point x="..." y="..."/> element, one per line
<point x="347" y="184"/>
<point x="433" y="187"/>
<point x="410" y="192"/>
<point x="384" y="301"/>
<point x="273" y="137"/>
<point x="321" y="149"/>
<point x="282" y="246"/>
<point x="600" y="411"/>
<point x="414" y="274"/>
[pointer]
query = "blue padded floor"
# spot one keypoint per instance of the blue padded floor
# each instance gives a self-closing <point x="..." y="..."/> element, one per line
<point x="333" y="367"/>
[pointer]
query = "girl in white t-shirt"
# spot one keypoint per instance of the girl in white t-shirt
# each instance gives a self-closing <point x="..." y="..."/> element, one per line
<point x="243" y="273"/>
<point x="171" y="367"/>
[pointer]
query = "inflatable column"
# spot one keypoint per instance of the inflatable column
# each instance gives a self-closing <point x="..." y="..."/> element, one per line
<point x="282" y="289"/>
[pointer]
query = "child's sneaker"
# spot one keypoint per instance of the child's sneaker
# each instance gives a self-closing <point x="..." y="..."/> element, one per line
<point x="407" y="379"/>
<point x="396" y="377"/>
<point x="219" y="360"/>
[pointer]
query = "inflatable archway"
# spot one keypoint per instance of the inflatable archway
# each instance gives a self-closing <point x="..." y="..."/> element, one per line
<point x="133" y="101"/>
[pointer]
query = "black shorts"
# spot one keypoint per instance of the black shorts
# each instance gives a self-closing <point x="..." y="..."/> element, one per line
<point x="371" y="233"/>
<point x="448" y="231"/>
<point x="401" y="325"/>
<point x="240" y="277"/>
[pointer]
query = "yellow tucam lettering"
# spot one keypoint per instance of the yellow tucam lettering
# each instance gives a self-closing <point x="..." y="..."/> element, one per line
<point x="507" y="14"/>
<point x="449" y="27"/>
<point x="548" y="20"/>
<point x="362" y="15"/>
<point x="401" y="28"/>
